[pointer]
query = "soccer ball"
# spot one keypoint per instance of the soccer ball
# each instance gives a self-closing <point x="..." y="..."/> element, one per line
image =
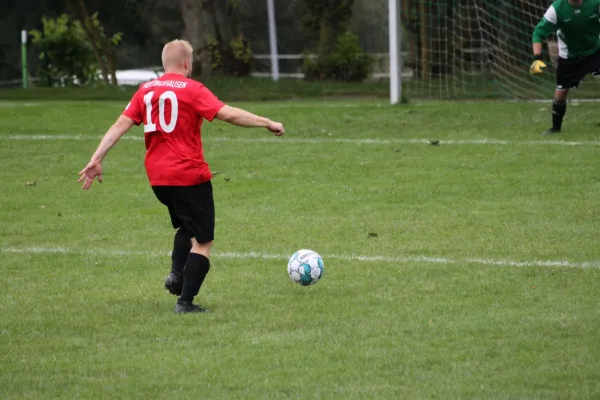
<point x="305" y="267"/>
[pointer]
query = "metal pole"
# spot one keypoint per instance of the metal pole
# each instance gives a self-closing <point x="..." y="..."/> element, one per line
<point x="24" y="57"/>
<point x="395" y="52"/>
<point x="273" y="40"/>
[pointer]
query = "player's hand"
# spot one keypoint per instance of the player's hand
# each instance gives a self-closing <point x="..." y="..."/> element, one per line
<point x="276" y="128"/>
<point x="537" y="67"/>
<point x="91" y="171"/>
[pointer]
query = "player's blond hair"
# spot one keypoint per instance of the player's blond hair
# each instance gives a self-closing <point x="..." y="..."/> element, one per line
<point x="175" y="52"/>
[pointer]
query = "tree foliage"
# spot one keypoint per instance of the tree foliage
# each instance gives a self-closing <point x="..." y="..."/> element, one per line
<point x="102" y="44"/>
<point x="72" y="50"/>
<point x="346" y="61"/>
<point x="66" y="55"/>
<point x="329" y="18"/>
<point x="213" y="29"/>
<point x="233" y="29"/>
<point x="340" y="56"/>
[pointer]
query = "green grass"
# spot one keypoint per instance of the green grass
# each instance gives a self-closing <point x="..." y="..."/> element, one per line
<point x="85" y="315"/>
<point x="253" y="89"/>
<point x="238" y="89"/>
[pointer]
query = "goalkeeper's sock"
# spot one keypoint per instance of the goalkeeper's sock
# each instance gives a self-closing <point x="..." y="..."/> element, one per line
<point x="558" y="113"/>
<point x="196" y="268"/>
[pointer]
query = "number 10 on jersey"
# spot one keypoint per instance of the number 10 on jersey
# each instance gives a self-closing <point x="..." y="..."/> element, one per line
<point x="165" y="127"/>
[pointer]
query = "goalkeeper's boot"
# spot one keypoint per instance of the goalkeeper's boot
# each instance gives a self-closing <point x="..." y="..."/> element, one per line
<point x="551" y="131"/>
<point x="174" y="283"/>
<point x="596" y="73"/>
<point x="183" y="307"/>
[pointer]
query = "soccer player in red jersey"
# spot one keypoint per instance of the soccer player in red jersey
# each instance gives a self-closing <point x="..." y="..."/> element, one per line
<point x="172" y="109"/>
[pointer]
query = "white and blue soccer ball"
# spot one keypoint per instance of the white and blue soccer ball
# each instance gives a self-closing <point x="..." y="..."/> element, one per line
<point x="305" y="267"/>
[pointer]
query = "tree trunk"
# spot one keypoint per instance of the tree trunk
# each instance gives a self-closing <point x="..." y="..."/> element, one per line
<point x="193" y="14"/>
<point x="207" y="28"/>
<point x="225" y="33"/>
<point x="327" y="35"/>
<point x="190" y="13"/>
<point x="110" y="57"/>
<point x="102" y="46"/>
<point x="224" y="26"/>
<point x="97" y="52"/>
<point x="80" y="11"/>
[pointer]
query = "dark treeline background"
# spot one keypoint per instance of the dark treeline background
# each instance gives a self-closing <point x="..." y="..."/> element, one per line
<point x="440" y="37"/>
<point x="147" y="24"/>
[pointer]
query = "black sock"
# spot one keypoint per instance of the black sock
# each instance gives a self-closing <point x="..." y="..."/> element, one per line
<point x="558" y="113"/>
<point x="182" y="244"/>
<point x="196" y="268"/>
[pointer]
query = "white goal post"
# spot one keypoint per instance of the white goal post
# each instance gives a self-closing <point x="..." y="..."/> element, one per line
<point x="395" y="52"/>
<point x="273" y="40"/>
<point x="394" y="45"/>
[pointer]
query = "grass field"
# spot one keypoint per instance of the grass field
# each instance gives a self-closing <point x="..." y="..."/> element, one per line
<point x="238" y="89"/>
<point x="258" y="89"/>
<point x="464" y="270"/>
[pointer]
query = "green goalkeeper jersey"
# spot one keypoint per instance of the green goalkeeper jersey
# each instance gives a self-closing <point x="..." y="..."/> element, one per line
<point x="577" y="27"/>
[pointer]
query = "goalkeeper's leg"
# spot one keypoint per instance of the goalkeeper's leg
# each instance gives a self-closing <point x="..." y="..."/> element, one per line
<point x="568" y="75"/>
<point x="559" y="109"/>
<point x="594" y="62"/>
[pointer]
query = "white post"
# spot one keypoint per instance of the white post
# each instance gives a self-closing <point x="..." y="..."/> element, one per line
<point x="24" y="58"/>
<point x="395" y="52"/>
<point x="273" y="40"/>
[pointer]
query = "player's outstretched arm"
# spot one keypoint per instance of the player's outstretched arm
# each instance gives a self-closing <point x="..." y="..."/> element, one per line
<point x="94" y="167"/>
<point x="239" y="117"/>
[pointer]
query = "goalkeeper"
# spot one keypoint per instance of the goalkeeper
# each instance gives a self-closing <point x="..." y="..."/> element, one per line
<point x="577" y="25"/>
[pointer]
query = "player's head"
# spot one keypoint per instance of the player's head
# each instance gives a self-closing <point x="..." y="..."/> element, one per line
<point x="177" y="57"/>
<point x="575" y="2"/>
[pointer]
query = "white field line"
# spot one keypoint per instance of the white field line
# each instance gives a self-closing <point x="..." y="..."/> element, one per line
<point x="340" y="257"/>
<point x="5" y="104"/>
<point x="296" y="140"/>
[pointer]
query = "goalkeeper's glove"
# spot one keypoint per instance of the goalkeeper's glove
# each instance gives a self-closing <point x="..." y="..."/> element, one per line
<point x="537" y="67"/>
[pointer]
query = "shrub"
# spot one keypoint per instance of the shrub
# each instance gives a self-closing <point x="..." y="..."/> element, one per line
<point x="346" y="62"/>
<point x="66" y="56"/>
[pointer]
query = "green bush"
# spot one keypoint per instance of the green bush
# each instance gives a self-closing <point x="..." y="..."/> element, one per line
<point x="66" y="56"/>
<point x="232" y="60"/>
<point x="242" y="56"/>
<point x="346" y="62"/>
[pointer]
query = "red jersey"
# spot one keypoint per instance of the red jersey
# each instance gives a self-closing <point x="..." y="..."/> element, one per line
<point x="172" y="109"/>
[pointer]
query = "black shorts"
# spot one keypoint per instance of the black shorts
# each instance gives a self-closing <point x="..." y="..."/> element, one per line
<point x="192" y="207"/>
<point x="571" y="71"/>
